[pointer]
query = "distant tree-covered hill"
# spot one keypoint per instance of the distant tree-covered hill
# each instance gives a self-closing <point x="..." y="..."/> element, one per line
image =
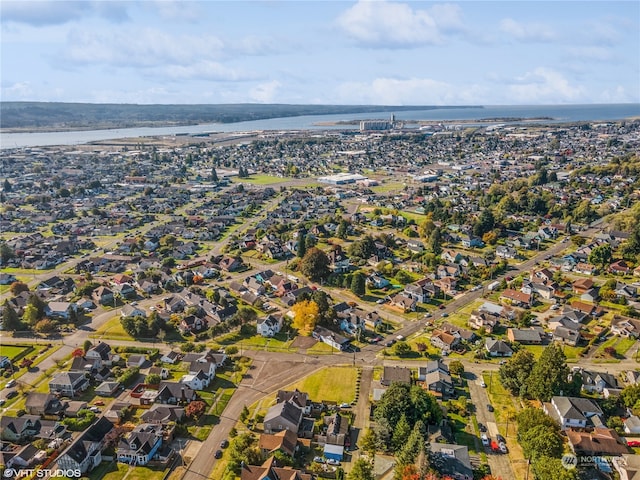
<point x="65" y="116"/>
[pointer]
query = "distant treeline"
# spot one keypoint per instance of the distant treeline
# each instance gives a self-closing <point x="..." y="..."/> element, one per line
<point x="67" y="116"/>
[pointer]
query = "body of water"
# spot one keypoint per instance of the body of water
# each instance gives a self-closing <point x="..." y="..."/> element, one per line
<point x="559" y="113"/>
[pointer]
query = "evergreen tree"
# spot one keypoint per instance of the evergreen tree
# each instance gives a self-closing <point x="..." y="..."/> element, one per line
<point x="214" y="175"/>
<point x="302" y="244"/>
<point x="358" y="284"/>
<point x="10" y="318"/>
<point x="550" y="374"/>
<point x="400" y="433"/>
<point x="7" y="185"/>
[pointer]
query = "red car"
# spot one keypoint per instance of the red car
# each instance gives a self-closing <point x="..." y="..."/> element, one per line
<point x="633" y="443"/>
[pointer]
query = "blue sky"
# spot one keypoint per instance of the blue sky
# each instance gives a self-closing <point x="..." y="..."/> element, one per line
<point x="327" y="52"/>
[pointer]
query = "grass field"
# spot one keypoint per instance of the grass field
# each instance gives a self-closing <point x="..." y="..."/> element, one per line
<point x="112" y="329"/>
<point x="145" y="473"/>
<point x="321" y="348"/>
<point x="623" y="346"/>
<point x="388" y="187"/>
<point x="262" y="179"/>
<point x="337" y="384"/>
<point x="11" y="351"/>
<point x="109" y="471"/>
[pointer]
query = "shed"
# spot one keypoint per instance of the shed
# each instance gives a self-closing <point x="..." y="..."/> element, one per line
<point x="335" y="452"/>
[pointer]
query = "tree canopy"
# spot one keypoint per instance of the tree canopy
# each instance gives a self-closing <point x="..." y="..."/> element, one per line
<point x="315" y="264"/>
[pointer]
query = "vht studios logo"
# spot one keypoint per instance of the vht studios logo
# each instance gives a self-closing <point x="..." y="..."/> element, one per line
<point x="570" y="461"/>
<point x="41" y="473"/>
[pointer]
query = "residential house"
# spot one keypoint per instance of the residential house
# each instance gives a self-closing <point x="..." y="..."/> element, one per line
<point x="44" y="404"/>
<point x="198" y="381"/>
<point x="430" y="367"/>
<point x="61" y="310"/>
<point x="627" y="466"/>
<point x="285" y="441"/>
<point x="231" y="264"/>
<point x="519" y="299"/>
<point x="333" y="339"/>
<point x="599" y="442"/>
<point x="463" y="333"/>
<point x="484" y="320"/>
<point x="444" y="341"/>
<point x="162" y="414"/>
<point x="592" y="295"/>
<point x="506" y="252"/>
<point x="270" y="325"/>
<point x="171" y="357"/>
<point x="68" y="384"/>
<point x="440" y="383"/>
<point x="103" y="296"/>
<point x="451" y="460"/>
<point x="132" y="311"/>
<point x="85" y="452"/>
<point x="108" y="389"/>
<point x="136" y="360"/>
<point x="632" y="425"/>
<point x="596" y="382"/>
<point x="269" y="470"/>
<point x="19" y="429"/>
<point x="285" y="415"/>
<point x="625" y="326"/>
<point x="620" y="267"/>
<point x="404" y="302"/>
<point x="572" y="412"/>
<point x="498" y="348"/>
<point x="140" y="445"/>
<point x="569" y="336"/>
<point x="338" y="260"/>
<point x="175" y="393"/>
<point x="395" y="375"/>
<point x="582" y="285"/>
<point x="471" y="242"/>
<point x="334" y="436"/>
<point x="100" y="353"/>
<point x="526" y="336"/>
<point x="296" y="396"/>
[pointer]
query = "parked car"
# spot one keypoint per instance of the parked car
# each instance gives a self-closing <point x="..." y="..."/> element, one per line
<point x="224" y="443"/>
<point x="2" y="401"/>
<point x="482" y="384"/>
<point x="218" y="454"/>
<point x="12" y="394"/>
<point x="318" y="459"/>
<point x="489" y="407"/>
<point x="380" y="301"/>
<point x="500" y="439"/>
<point x="503" y="448"/>
<point x="376" y="339"/>
<point x="482" y="427"/>
<point x="331" y="461"/>
<point x="345" y="405"/>
<point x="99" y="403"/>
<point x="485" y="439"/>
<point x="633" y="443"/>
<point x="11" y="383"/>
<point x="445" y="315"/>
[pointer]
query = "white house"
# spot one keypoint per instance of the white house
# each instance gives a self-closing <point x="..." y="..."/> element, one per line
<point x="573" y="412"/>
<point x="195" y="382"/>
<point x="632" y="425"/>
<point x="270" y="325"/>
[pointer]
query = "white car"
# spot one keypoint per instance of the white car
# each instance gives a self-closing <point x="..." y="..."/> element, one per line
<point x="482" y="384"/>
<point x="331" y="461"/>
<point x="11" y="383"/>
<point x="318" y="459"/>
<point x="485" y="439"/>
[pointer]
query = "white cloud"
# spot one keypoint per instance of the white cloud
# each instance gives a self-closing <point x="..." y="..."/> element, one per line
<point x="618" y="94"/>
<point x="531" y="32"/>
<point x="544" y="86"/>
<point x="140" y="48"/>
<point x="265" y="92"/>
<point x="411" y="91"/>
<point x="42" y="13"/>
<point x="17" y="91"/>
<point x="593" y="53"/>
<point x="397" y="25"/>
<point x="204" y="70"/>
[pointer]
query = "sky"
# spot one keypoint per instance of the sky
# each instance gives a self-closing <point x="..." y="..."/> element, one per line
<point x="378" y="52"/>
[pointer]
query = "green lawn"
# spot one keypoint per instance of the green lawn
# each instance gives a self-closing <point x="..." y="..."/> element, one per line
<point x="321" y="348"/>
<point x="145" y="473"/>
<point x="572" y="353"/>
<point x="262" y="179"/>
<point x="335" y="384"/>
<point x="12" y="351"/>
<point x="388" y="187"/>
<point x="112" y="329"/>
<point x="623" y="346"/>
<point x="108" y="471"/>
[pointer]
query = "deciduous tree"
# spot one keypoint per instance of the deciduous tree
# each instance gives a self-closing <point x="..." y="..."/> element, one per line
<point x="305" y="316"/>
<point x="514" y="374"/>
<point x="315" y="264"/>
